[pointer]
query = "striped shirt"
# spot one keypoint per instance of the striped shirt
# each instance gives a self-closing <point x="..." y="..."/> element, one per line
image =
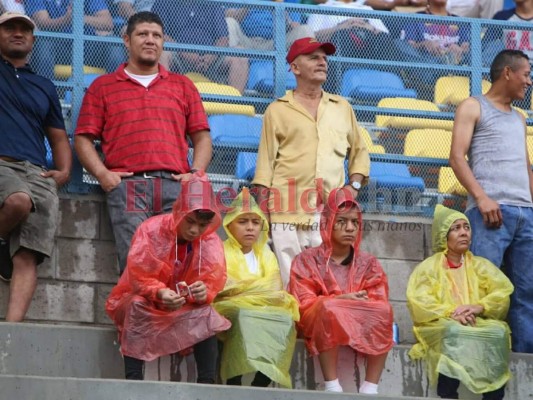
<point x="142" y="129"/>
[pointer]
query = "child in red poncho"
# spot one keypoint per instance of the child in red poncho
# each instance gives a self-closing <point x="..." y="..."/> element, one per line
<point x="343" y="295"/>
<point x="155" y="318"/>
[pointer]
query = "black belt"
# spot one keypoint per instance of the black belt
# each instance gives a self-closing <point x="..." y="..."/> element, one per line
<point x="155" y="174"/>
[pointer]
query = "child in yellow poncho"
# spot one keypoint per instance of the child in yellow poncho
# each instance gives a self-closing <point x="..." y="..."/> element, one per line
<point x="458" y="302"/>
<point x="263" y="334"/>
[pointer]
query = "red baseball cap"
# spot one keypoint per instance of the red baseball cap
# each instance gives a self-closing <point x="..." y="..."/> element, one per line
<point x="308" y="45"/>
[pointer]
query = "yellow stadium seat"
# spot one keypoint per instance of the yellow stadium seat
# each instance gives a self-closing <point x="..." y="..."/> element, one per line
<point x="432" y="143"/>
<point x="393" y="121"/>
<point x="448" y="183"/>
<point x="65" y="71"/>
<point x="197" y="77"/>
<point x="451" y="90"/>
<point x="216" y="88"/>
<point x="529" y="143"/>
<point x="529" y="129"/>
<point x="372" y="148"/>
<point x="214" y="107"/>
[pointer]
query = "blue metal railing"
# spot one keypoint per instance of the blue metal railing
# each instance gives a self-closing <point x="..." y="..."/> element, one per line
<point x="474" y="68"/>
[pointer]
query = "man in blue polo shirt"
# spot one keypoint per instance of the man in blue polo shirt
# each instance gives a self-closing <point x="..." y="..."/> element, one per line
<point x="200" y="23"/>
<point x="56" y="16"/>
<point x="30" y="112"/>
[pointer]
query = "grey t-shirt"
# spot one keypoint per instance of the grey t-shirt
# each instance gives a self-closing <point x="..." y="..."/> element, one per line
<point x="497" y="156"/>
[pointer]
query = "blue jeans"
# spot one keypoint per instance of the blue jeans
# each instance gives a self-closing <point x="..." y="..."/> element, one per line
<point x="512" y="245"/>
<point x="132" y="202"/>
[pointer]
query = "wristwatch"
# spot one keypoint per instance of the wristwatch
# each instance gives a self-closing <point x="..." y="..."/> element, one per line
<point x="356" y="185"/>
<point x="193" y="170"/>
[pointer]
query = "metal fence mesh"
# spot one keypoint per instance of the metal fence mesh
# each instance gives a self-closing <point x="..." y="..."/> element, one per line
<point x="404" y="93"/>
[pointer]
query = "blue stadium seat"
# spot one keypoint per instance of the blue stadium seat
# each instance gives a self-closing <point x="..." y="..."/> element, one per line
<point x="235" y="129"/>
<point x="371" y="86"/>
<point x="508" y="4"/>
<point x="261" y="77"/>
<point x="49" y="159"/>
<point x="245" y="166"/>
<point x="391" y="187"/>
<point x="394" y="176"/>
<point x="87" y="80"/>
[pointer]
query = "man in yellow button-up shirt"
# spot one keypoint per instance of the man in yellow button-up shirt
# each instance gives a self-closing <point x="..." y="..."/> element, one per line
<point x="307" y="135"/>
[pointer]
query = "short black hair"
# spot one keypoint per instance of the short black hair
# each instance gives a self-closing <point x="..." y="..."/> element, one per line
<point x="143" y="16"/>
<point x="204" y="215"/>
<point x="503" y="59"/>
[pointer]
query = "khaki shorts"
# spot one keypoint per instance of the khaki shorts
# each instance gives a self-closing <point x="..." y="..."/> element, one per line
<point x="37" y="232"/>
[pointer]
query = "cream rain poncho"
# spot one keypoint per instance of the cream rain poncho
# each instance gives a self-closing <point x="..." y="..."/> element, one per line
<point x="475" y="355"/>
<point x="263" y="334"/>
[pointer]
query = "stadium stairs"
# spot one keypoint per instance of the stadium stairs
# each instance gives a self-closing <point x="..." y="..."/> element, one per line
<point x="45" y="361"/>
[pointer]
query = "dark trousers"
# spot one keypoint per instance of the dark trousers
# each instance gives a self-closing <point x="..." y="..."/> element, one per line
<point x="447" y="389"/>
<point x="260" y="380"/>
<point x="205" y="355"/>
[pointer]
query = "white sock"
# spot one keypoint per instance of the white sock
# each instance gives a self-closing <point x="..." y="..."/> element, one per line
<point x="333" y="386"/>
<point x="368" y="388"/>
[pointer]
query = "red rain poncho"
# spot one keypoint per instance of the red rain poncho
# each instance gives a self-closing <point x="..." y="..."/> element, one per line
<point x="327" y="322"/>
<point x="146" y="331"/>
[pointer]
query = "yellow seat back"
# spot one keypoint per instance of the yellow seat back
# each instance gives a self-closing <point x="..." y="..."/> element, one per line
<point x="454" y="89"/>
<point x="215" y="107"/>
<point x="65" y="71"/>
<point x="448" y="183"/>
<point x="404" y="103"/>
<point x="432" y="143"/>
<point x="372" y="148"/>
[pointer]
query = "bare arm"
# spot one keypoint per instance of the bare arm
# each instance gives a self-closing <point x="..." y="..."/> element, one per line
<point x="466" y="117"/>
<point x="236" y="13"/>
<point x="203" y="149"/>
<point x="89" y="158"/>
<point x="529" y="172"/>
<point x="45" y="22"/>
<point x="381" y="4"/>
<point x="125" y="10"/>
<point x="62" y="155"/>
<point x="102" y="20"/>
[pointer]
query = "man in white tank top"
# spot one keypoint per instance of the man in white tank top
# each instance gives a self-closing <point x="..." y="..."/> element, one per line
<point x="499" y="182"/>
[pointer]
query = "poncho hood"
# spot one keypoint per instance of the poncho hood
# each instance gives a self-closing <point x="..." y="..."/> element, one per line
<point x="327" y="219"/>
<point x="196" y="194"/>
<point x="443" y="218"/>
<point x="244" y="203"/>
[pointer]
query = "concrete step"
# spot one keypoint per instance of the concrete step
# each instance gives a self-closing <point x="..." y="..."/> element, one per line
<point x="48" y="388"/>
<point x="58" y="351"/>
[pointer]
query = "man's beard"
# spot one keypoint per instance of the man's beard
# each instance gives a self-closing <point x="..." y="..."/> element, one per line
<point x="16" y="54"/>
<point x="148" y="63"/>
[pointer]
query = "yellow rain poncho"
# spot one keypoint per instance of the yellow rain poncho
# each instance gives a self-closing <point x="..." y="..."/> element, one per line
<point x="475" y="355"/>
<point x="263" y="334"/>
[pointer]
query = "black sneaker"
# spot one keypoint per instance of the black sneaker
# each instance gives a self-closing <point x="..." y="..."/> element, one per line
<point x="6" y="264"/>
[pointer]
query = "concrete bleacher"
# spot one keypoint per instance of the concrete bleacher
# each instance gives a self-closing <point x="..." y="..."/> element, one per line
<point x="69" y="335"/>
<point x="40" y="361"/>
